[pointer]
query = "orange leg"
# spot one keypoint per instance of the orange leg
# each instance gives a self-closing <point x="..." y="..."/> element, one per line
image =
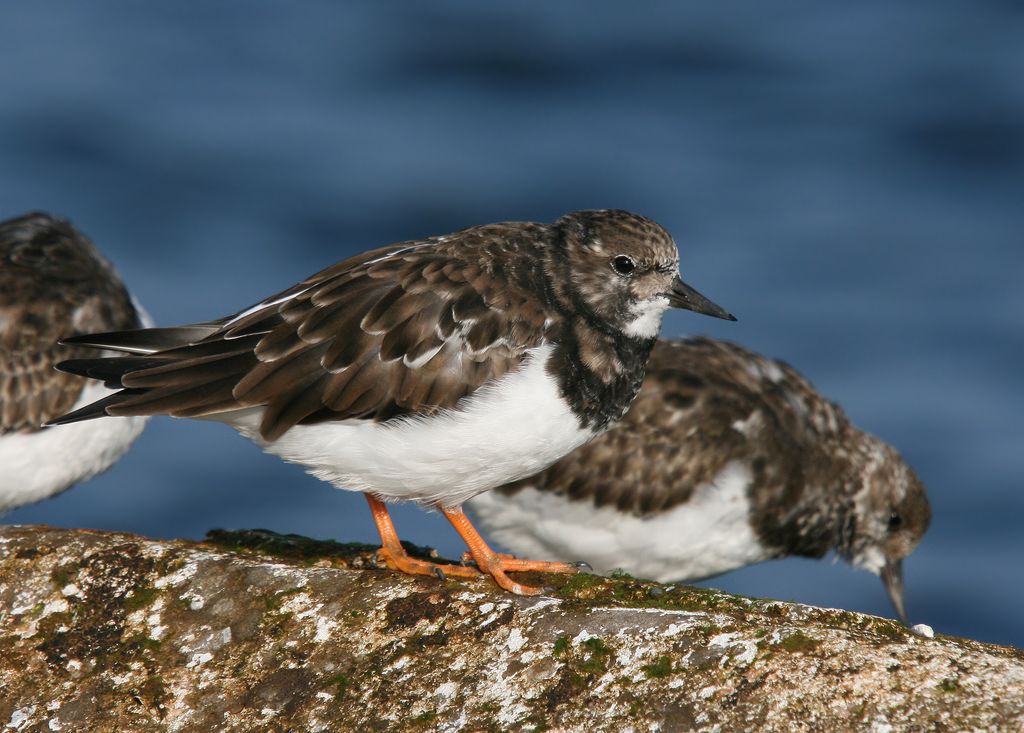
<point x="497" y="565"/>
<point x="394" y="555"/>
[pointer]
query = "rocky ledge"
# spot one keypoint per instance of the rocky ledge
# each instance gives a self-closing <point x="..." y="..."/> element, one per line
<point x="251" y="631"/>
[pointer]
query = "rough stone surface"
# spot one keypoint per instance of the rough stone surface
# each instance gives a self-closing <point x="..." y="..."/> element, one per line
<point x="257" y="632"/>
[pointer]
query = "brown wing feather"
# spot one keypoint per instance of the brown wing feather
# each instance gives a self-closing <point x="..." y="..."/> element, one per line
<point x="409" y="329"/>
<point x="53" y="284"/>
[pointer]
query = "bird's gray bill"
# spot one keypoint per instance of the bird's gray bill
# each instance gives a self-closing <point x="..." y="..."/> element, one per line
<point x="683" y="296"/>
<point x="892" y="576"/>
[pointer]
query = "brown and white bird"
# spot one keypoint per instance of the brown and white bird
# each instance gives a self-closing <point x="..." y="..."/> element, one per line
<point x="53" y="284"/>
<point x="429" y="370"/>
<point x="726" y="458"/>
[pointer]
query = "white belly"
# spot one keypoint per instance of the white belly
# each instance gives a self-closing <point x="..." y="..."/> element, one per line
<point x="708" y="535"/>
<point x="34" y="466"/>
<point x="512" y="428"/>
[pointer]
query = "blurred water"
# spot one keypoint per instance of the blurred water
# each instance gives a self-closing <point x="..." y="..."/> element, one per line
<point x="847" y="178"/>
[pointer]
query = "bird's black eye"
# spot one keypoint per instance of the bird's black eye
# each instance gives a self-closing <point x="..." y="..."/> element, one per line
<point x="895" y="522"/>
<point x="623" y="265"/>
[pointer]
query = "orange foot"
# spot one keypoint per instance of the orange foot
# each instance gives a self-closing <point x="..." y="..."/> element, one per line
<point x="398" y="559"/>
<point x="513" y="564"/>
<point x="394" y="555"/>
<point x="498" y="565"/>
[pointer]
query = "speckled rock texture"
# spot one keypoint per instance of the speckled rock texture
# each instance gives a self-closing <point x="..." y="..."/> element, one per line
<point x="259" y="632"/>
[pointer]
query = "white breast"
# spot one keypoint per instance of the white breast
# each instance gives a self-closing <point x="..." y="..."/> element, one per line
<point x="708" y="535"/>
<point x="515" y="427"/>
<point x="34" y="466"/>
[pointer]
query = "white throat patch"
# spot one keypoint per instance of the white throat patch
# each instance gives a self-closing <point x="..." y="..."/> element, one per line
<point x="646" y="321"/>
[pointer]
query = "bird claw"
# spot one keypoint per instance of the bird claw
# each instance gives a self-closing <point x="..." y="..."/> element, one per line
<point x="439" y="573"/>
<point x="583" y="565"/>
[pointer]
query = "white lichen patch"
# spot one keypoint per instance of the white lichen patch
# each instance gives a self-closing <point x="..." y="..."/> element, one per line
<point x="324" y="627"/>
<point x="120" y="679"/>
<point x="156" y="628"/>
<point x="489" y="619"/>
<point x="202" y="644"/>
<point x="740" y="650"/>
<point x="21" y="718"/>
<point x="681" y="627"/>
<point x="581" y="637"/>
<point x="400" y="663"/>
<point x="198" y="659"/>
<point x="300" y="605"/>
<point x="179" y="577"/>
<point x="471" y="597"/>
<point x="446" y="690"/>
<point x="540" y="604"/>
<point x="58" y="605"/>
<point x="515" y="640"/>
<point x="51" y="606"/>
<point x="627" y="654"/>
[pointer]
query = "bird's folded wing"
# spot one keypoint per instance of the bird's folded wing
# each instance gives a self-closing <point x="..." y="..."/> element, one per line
<point x="404" y="330"/>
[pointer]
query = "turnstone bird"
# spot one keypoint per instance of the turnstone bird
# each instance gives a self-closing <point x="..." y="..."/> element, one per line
<point x="53" y="284"/>
<point x="726" y="458"/>
<point x="428" y="370"/>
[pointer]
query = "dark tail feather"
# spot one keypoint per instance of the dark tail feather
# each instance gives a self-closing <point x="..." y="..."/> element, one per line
<point x="96" y="409"/>
<point x="174" y="399"/>
<point x="146" y="340"/>
<point x="110" y="370"/>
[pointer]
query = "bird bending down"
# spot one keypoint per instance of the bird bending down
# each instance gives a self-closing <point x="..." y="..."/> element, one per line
<point x="53" y="284"/>
<point x="725" y="459"/>
<point x="425" y="371"/>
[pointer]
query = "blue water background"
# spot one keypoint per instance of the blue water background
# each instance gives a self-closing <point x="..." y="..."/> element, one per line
<point x="848" y="178"/>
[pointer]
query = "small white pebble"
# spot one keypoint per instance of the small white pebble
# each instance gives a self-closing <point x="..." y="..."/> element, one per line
<point x="923" y="630"/>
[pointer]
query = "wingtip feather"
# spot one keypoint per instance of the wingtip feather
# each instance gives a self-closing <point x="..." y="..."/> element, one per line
<point x="145" y="340"/>
<point x="90" y="411"/>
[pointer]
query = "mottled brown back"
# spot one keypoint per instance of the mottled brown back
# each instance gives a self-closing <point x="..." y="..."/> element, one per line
<point x="53" y="284"/>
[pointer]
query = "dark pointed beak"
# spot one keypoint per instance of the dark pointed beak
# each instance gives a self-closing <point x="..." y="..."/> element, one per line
<point x="683" y="296"/>
<point x="892" y="577"/>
